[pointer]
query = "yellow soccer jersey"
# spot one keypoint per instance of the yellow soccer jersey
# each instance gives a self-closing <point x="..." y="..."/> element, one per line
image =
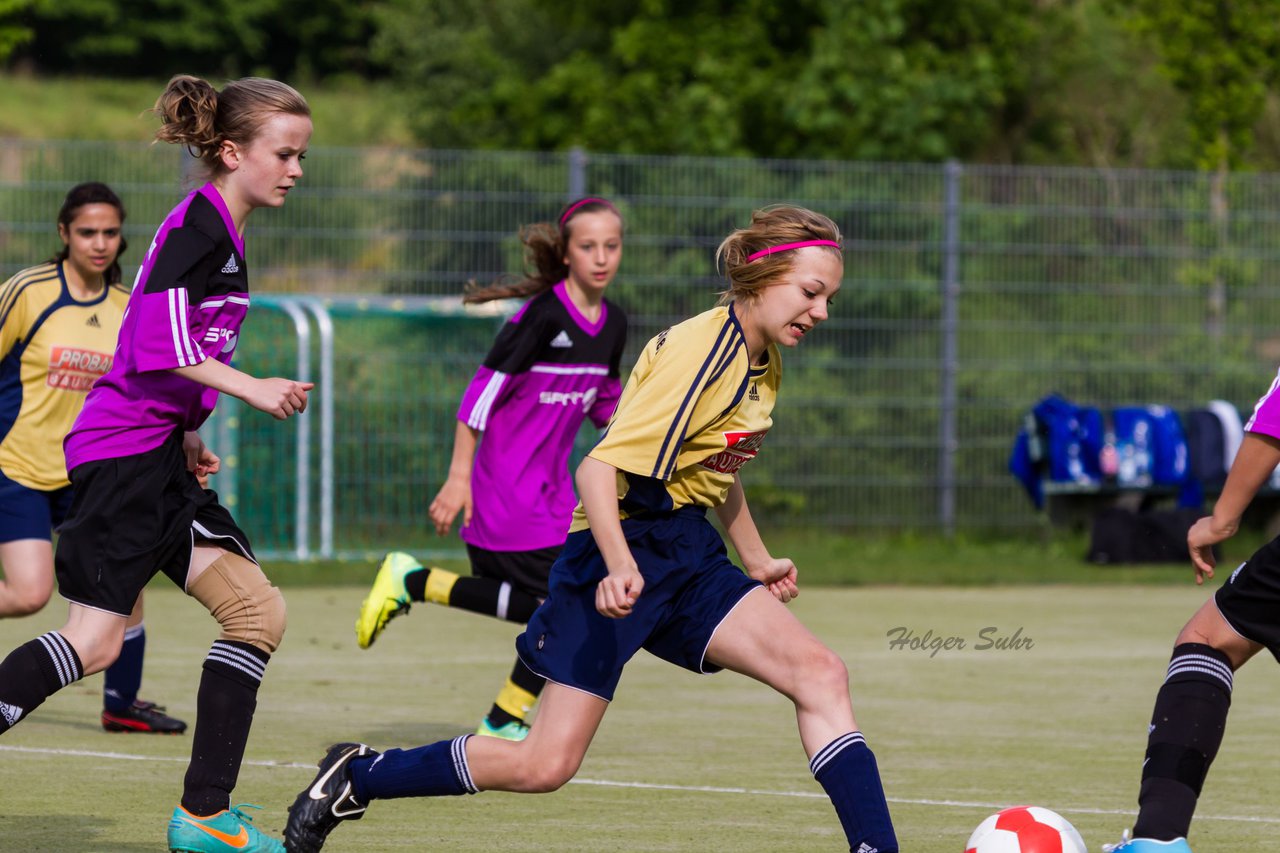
<point x="52" y="348"/>
<point x="694" y="411"/>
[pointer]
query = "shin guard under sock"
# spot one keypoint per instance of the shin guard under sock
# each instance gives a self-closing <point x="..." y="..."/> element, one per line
<point x="1186" y="730"/>
<point x="846" y="770"/>
<point x="224" y="712"/>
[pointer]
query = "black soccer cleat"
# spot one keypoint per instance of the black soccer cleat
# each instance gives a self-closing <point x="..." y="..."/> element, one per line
<point x="142" y="717"/>
<point x="328" y="801"/>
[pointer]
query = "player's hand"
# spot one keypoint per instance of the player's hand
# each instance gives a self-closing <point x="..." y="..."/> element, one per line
<point x="1201" y="538"/>
<point x="454" y="496"/>
<point x="201" y="461"/>
<point x="778" y="575"/>
<point x="617" y="593"/>
<point x="278" y="397"/>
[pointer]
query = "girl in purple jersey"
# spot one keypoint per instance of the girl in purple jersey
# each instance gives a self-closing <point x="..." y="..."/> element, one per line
<point x="554" y="364"/>
<point x="58" y="325"/>
<point x="1240" y="620"/>
<point x="134" y="456"/>
<point x="645" y="568"/>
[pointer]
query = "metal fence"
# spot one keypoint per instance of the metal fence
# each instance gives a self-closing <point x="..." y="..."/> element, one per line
<point x="969" y="293"/>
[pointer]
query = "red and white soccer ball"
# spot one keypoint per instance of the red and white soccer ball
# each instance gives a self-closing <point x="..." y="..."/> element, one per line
<point x="1025" y="829"/>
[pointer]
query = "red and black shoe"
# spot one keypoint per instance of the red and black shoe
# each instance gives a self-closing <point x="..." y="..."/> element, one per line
<point x="145" y="717"/>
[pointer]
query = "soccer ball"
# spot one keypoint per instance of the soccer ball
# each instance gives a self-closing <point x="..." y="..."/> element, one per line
<point x="1025" y="829"/>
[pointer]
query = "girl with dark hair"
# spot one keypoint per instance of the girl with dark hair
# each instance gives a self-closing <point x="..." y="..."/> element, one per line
<point x="58" y="327"/>
<point x="644" y="568"/>
<point x="554" y="364"/>
<point x="134" y="456"/>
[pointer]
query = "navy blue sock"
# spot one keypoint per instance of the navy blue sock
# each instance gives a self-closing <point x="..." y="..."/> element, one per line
<point x="124" y="677"/>
<point x="437" y="770"/>
<point x="846" y="770"/>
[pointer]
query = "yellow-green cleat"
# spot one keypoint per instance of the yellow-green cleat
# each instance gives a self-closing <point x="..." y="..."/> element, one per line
<point x="514" y="730"/>
<point x="387" y="599"/>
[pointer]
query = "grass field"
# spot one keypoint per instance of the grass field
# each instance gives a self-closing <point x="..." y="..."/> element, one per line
<point x="103" y="108"/>
<point x="682" y="763"/>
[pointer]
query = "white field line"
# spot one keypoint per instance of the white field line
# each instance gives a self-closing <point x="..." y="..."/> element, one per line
<point x="608" y="783"/>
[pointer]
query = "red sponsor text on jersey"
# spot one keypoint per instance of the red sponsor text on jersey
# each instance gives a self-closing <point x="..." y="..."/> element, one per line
<point x="740" y="448"/>
<point x="76" y="369"/>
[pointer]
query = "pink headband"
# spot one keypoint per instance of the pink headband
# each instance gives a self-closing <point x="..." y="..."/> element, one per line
<point x="787" y="247"/>
<point x="564" y="217"/>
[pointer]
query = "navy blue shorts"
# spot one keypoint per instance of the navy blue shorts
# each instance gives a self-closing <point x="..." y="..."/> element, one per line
<point x="27" y="513"/>
<point x="690" y="586"/>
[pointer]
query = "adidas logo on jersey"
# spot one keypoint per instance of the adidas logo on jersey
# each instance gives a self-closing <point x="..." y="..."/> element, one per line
<point x="561" y="341"/>
<point x="755" y="393"/>
<point x="231" y="266"/>
<point x="864" y="847"/>
<point x="93" y="323"/>
<point x="11" y="713"/>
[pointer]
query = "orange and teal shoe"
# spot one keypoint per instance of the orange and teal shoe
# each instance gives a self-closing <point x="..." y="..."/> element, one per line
<point x="228" y="831"/>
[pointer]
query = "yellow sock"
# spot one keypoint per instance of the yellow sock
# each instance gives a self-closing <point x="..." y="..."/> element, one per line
<point x="440" y="586"/>
<point x="516" y="701"/>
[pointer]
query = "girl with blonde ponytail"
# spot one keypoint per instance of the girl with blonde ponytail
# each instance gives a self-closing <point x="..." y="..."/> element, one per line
<point x="644" y="568"/>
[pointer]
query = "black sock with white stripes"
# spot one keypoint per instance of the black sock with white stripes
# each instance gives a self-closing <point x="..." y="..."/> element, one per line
<point x="1186" y="730"/>
<point x="846" y="770"/>
<point x="32" y="673"/>
<point x="224" y="712"/>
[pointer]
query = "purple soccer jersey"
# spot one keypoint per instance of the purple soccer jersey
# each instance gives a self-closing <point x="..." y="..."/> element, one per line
<point x="187" y="305"/>
<point x="548" y="370"/>
<point x="1266" y="414"/>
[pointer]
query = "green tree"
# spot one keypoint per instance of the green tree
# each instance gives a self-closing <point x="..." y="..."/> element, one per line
<point x="281" y="38"/>
<point x="888" y="79"/>
<point x="1221" y="54"/>
<point x="13" y="32"/>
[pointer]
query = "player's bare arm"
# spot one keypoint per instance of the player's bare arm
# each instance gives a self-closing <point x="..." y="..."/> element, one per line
<point x="778" y="574"/>
<point x="598" y="487"/>
<point x="455" y="494"/>
<point x="1258" y="456"/>
<point x="276" y="396"/>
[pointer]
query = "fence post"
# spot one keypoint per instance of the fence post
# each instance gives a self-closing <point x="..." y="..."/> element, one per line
<point x="302" y="475"/>
<point x="577" y="172"/>
<point x="324" y="326"/>
<point x="948" y="443"/>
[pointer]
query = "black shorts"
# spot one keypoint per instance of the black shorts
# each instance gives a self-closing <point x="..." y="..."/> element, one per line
<point x="134" y="516"/>
<point x="1250" y="598"/>
<point x="527" y="571"/>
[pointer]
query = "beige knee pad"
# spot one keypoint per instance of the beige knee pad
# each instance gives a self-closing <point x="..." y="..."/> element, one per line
<point x="244" y="602"/>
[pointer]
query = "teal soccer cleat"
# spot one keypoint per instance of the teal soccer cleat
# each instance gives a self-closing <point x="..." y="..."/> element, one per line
<point x="514" y="730"/>
<point x="1147" y="845"/>
<point x="228" y="831"/>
